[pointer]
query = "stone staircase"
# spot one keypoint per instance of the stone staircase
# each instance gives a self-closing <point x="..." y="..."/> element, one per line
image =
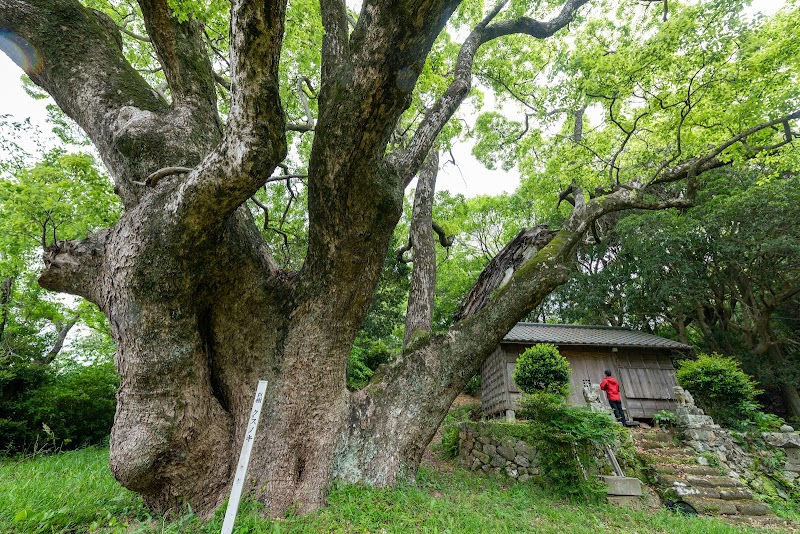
<point x="682" y="474"/>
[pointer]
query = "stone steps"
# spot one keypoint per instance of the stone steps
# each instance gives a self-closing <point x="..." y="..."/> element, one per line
<point x="678" y="473"/>
<point x="688" y="469"/>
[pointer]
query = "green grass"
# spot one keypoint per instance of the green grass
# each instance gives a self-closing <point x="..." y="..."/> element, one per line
<point x="75" y="492"/>
<point x="67" y="492"/>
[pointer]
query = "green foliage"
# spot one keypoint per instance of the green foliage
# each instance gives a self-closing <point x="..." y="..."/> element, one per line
<point x="379" y="340"/>
<point x="450" y="442"/>
<point x="473" y="387"/>
<point x="542" y="368"/>
<point x="766" y="422"/>
<point x="720" y="387"/>
<point x="664" y="418"/>
<point x="64" y="405"/>
<point x="569" y="440"/>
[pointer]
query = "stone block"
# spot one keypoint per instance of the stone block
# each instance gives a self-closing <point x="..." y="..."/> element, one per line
<point x="485" y="439"/>
<point x="792" y="454"/>
<point x="711" y="506"/>
<point x="791" y="466"/>
<point x="700" y="435"/>
<point x="622" y="485"/>
<point x="523" y="449"/>
<point x="735" y="494"/>
<point x="521" y="461"/>
<point x="624" y="500"/>
<point x="510" y="471"/>
<point x="498" y="461"/>
<point x="506" y="452"/>
<point x="753" y="508"/>
<point x="788" y="440"/>
<point x="524" y="477"/>
<point x="786" y="428"/>
<point x="484" y="458"/>
<point x="486" y="467"/>
<point x="694" y="421"/>
<point x="713" y="482"/>
<point x="684" y="490"/>
<point x="489" y="449"/>
<point x="476" y="464"/>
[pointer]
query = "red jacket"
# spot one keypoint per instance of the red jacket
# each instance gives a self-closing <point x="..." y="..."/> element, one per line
<point x="611" y="387"/>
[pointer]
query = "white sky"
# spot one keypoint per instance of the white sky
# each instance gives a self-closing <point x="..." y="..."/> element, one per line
<point x="467" y="176"/>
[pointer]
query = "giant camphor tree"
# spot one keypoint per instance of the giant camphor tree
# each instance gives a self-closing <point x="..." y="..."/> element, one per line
<point x="198" y="307"/>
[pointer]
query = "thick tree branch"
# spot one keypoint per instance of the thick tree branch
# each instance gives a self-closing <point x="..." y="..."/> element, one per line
<point x="86" y="73"/>
<point x="709" y="160"/>
<point x="254" y="141"/>
<point x="75" y="267"/>
<point x="62" y="330"/>
<point x="335" y="42"/>
<point x="181" y="51"/>
<point x="534" y="28"/>
<point x="142" y="38"/>
<point x="419" y="313"/>
<point x="408" y="161"/>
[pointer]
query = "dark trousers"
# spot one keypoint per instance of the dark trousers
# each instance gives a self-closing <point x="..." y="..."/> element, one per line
<point x="617" y="407"/>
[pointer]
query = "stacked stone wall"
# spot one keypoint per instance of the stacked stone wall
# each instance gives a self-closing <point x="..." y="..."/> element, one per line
<point x="481" y="449"/>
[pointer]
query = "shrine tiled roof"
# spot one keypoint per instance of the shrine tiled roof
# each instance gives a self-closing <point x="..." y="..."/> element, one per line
<point x="599" y="336"/>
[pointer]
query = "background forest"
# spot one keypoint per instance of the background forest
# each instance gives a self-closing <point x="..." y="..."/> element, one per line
<point x="722" y="275"/>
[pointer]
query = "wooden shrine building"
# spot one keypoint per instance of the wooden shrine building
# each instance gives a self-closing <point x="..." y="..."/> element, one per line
<point x="641" y="362"/>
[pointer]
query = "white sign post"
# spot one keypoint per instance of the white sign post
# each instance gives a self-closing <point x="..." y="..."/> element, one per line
<point x="244" y="459"/>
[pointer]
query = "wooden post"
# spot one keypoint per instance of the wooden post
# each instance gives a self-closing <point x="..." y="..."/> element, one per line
<point x="244" y="459"/>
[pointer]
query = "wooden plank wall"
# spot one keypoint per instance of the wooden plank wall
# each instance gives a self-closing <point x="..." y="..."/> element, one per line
<point x="494" y="391"/>
<point x="646" y="377"/>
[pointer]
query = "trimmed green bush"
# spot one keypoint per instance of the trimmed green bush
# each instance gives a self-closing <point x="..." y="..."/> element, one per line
<point x="570" y="440"/>
<point x="542" y="368"/>
<point x="720" y="388"/>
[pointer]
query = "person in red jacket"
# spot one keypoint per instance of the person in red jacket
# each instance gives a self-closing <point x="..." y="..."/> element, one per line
<point x="611" y="387"/>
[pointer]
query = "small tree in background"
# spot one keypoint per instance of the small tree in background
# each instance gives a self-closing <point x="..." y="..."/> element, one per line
<point x="542" y="369"/>
<point x="720" y="387"/>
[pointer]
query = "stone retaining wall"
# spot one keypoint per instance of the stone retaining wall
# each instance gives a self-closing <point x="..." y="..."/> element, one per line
<point x="481" y="449"/>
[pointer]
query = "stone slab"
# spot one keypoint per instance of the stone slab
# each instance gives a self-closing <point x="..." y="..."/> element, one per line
<point x="623" y="500"/>
<point x="735" y="494"/>
<point x="711" y="506"/>
<point x="623" y="486"/>
<point x="753" y="508"/>
<point x="713" y="482"/>
<point x="782" y="439"/>
<point x="683" y="491"/>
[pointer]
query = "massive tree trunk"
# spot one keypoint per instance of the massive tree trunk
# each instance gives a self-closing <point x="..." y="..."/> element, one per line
<point x="419" y="313"/>
<point x="198" y="308"/>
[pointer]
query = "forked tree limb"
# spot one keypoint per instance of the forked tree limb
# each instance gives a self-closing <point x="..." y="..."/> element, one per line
<point x="409" y="160"/>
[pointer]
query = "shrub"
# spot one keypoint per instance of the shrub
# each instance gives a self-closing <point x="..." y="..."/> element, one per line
<point x="570" y="440"/>
<point x="64" y="406"/>
<point x="720" y="388"/>
<point x="664" y="419"/>
<point x="451" y="441"/>
<point x="542" y="368"/>
<point x="473" y="387"/>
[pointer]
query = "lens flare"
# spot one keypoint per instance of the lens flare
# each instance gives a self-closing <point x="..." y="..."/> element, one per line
<point x="20" y="51"/>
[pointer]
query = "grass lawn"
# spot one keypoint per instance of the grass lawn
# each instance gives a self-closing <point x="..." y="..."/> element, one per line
<point x="75" y="492"/>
